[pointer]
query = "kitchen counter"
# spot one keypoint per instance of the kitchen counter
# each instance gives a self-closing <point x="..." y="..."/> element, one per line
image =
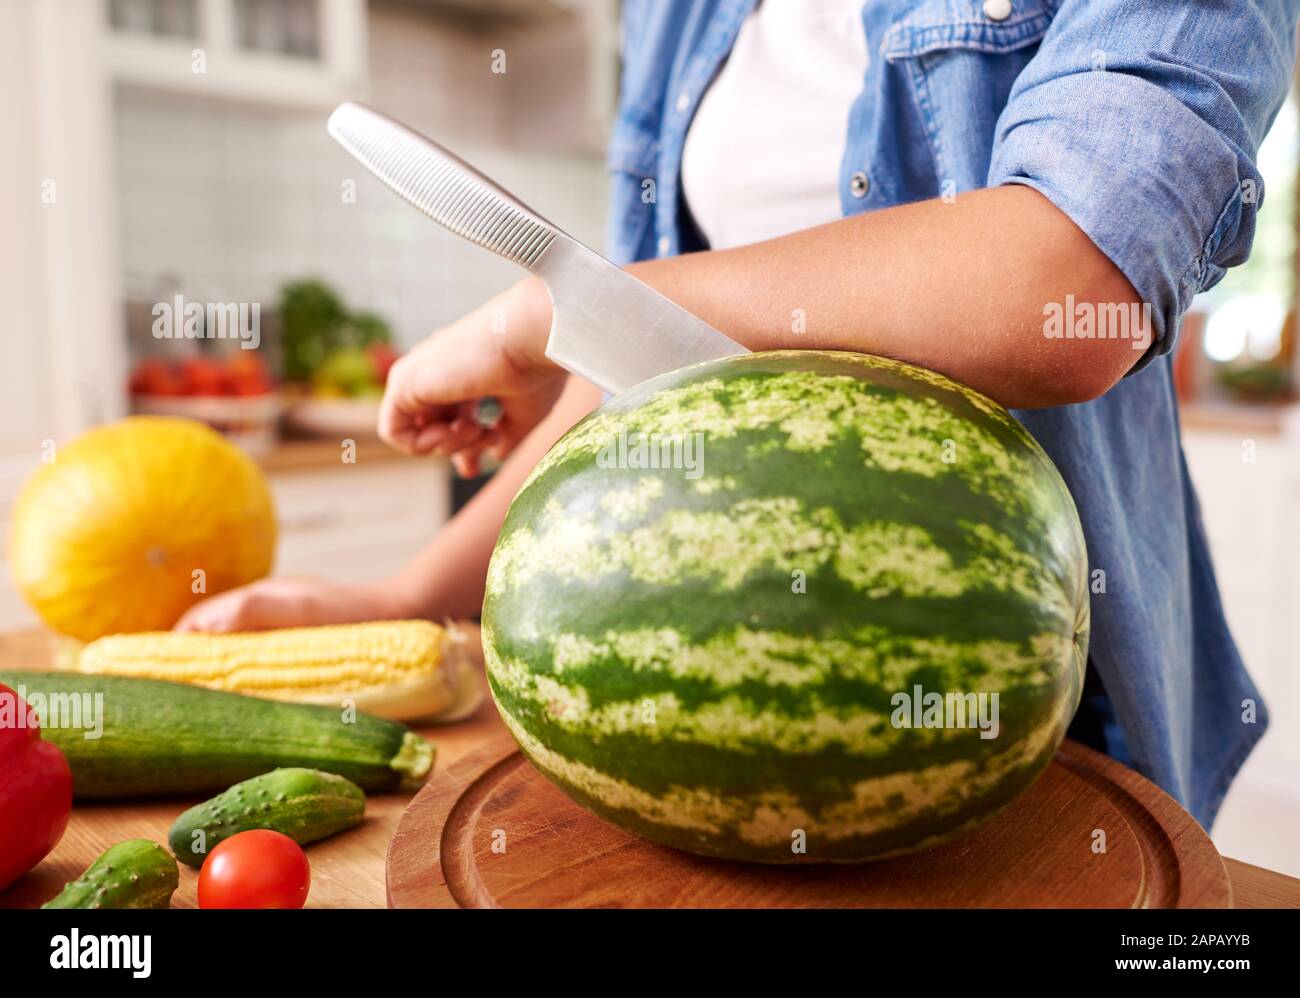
<point x="348" y="870"/>
<point x="1248" y="419"/>
<point x="316" y="454"/>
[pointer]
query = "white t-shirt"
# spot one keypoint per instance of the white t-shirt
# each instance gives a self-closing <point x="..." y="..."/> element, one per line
<point x="763" y="152"/>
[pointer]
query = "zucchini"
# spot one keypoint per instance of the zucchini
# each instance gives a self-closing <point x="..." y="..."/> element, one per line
<point x="145" y="737"/>
<point x="304" y="804"/>
<point x="137" y="873"/>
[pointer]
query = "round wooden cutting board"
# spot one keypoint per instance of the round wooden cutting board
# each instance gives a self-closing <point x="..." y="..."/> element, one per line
<point x="491" y="831"/>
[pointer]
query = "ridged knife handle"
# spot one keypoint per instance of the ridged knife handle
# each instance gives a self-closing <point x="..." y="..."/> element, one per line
<point x="442" y="185"/>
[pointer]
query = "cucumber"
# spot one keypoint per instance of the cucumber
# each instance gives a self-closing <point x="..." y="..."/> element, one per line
<point x="144" y="737"/>
<point x="133" y="874"/>
<point x="304" y="804"/>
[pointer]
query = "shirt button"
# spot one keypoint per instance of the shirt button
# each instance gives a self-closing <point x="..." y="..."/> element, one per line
<point x="683" y="102"/>
<point x="664" y="245"/>
<point x="859" y="184"/>
<point x="997" y="10"/>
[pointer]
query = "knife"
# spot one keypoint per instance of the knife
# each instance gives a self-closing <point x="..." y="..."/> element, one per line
<point x="607" y="326"/>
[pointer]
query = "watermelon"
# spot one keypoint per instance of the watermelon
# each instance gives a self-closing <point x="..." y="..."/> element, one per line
<point x="739" y="609"/>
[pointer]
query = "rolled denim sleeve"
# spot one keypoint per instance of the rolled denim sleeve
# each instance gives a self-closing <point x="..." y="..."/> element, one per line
<point x="1141" y="122"/>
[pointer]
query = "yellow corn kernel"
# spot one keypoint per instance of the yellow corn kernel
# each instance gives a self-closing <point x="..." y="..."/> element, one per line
<point x="405" y="669"/>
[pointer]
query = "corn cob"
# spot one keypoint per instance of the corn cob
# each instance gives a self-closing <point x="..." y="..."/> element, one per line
<point x="404" y="670"/>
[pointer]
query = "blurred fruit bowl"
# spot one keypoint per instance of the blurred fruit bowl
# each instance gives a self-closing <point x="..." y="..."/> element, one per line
<point x="354" y="372"/>
<point x="323" y="416"/>
<point x="240" y="373"/>
<point x="234" y="395"/>
<point x="249" y="421"/>
<point x="342" y="399"/>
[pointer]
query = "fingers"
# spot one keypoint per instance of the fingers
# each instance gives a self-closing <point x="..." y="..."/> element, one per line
<point x="441" y="430"/>
<point x="190" y="620"/>
<point x="456" y="432"/>
<point x="429" y="398"/>
<point x="218" y="614"/>
<point x="465" y="441"/>
<point x="508" y="436"/>
<point x="406" y="428"/>
<point x="467" y="452"/>
<point x="496" y="443"/>
<point x="253" y="607"/>
<point x="403" y="416"/>
<point x="432" y="392"/>
<point x="467" y="464"/>
<point x="291" y="602"/>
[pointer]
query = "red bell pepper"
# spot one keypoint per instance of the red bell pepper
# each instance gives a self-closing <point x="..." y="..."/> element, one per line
<point x="35" y="790"/>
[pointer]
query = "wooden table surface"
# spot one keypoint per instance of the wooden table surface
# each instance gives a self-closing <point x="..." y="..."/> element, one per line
<point x="348" y="870"/>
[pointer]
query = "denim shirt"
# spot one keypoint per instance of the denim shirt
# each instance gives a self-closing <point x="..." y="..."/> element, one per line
<point x="1141" y="123"/>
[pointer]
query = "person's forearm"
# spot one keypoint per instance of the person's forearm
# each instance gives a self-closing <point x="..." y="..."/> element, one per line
<point x="959" y="288"/>
<point x="446" y="577"/>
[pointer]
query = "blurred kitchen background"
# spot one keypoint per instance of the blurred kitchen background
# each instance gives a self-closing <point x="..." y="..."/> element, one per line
<point x="177" y="147"/>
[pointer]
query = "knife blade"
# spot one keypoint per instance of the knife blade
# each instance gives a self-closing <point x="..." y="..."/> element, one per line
<point x="607" y="326"/>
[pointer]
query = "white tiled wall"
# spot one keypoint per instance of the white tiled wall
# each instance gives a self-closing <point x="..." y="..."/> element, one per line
<point x="232" y="201"/>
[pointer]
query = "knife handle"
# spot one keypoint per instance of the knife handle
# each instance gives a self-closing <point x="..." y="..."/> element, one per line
<point x="444" y="186"/>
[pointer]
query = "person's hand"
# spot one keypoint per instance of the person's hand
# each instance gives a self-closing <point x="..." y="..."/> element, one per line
<point x="270" y="603"/>
<point x="497" y="350"/>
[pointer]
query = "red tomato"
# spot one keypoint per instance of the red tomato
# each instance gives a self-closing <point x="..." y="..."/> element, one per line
<point x="255" y="869"/>
<point x="246" y="373"/>
<point x="250" y="386"/>
<point x="154" y="376"/>
<point x="203" y="376"/>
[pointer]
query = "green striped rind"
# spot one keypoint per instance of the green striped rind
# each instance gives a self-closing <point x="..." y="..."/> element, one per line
<point x="647" y="649"/>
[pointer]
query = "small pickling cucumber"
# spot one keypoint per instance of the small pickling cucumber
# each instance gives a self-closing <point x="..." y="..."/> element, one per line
<point x="304" y="804"/>
<point x="137" y="873"/>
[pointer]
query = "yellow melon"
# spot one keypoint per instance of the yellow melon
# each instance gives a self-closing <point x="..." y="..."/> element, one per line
<point x="133" y="522"/>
